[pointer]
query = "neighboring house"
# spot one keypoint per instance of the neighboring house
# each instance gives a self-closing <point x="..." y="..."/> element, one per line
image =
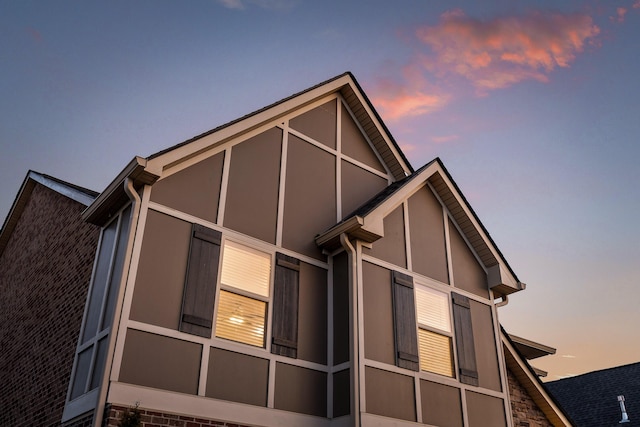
<point x="531" y="403"/>
<point x="291" y="268"/>
<point x="592" y="399"/>
<point x="46" y="254"/>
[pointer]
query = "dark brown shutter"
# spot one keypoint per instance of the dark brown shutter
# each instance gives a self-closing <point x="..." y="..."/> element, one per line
<point x="464" y="340"/>
<point x="200" y="286"/>
<point x="404" y="322"/>
<point x="284" y="333"/>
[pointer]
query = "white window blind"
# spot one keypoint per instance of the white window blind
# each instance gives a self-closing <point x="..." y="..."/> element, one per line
<point x="435" y="353"/>
<point x="241" y="319"/>
<point x="245" y="268"/>
<point x="433" y="309"/>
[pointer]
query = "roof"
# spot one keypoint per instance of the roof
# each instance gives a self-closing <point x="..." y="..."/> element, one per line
<point x="529" y="380"/>
<point x="592" y="399"/>
<point x="74" y="192"/>
<point x="531" y="349"/>
<point x="366" y="222"/>
<point x="146" y="170"/>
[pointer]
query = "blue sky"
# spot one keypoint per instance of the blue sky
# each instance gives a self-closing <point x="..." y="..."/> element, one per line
<point x="532" y="106"/>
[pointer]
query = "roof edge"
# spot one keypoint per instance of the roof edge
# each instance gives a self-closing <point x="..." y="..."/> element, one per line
<point x="514" y="360"/>
<point x="114" y="196"/>
<point x="74" y="192"/>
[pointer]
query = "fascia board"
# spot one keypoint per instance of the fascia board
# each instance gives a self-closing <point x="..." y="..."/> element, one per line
<point x="242" y="126"/>
<point x="506" y="274"/>
<point x="374" y="220"/>
<point x="533" y="386"/>
<point x="102" y="206"/>
<point x="382" y="128"/>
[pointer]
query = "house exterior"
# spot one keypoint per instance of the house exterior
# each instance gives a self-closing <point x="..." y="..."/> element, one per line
<point x="292" y="268"/>
<point x="46" y="253"/>
<point x="594" y="399"/>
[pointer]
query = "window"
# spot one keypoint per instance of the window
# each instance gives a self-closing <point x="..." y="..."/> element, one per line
<point x="100" y="307"/>
<point x="244" y="294"/>
<point x="434" y="331"/>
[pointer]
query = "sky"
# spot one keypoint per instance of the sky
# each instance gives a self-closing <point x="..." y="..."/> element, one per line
<point x="534" y="108"/>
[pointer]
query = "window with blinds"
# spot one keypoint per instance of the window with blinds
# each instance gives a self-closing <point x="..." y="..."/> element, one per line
<point x="244" y="294"/>
<point x="434" y="331"/>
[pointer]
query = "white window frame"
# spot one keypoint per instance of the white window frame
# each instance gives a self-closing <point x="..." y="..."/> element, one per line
<point x="245" y="293"/>
<point x="449" y="334"/>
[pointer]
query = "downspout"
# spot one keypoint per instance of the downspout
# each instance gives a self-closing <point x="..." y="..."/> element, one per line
<point x="354" y="333"/>
<point x="504" y="300"/>
<point x="131" y="192"/>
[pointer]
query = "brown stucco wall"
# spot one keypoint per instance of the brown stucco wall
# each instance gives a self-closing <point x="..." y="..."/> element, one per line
<point x="392" y="247"/>
<point x="319" y="123"/>
<point x="157" y="296"/>
<point x="157" y="361"/>
<point x="252" y="191"/>
<point x="355" y="145"/>
<point x="194" y="190"/>
<point x="524" y="410"/>
<point x="45" y="271"/>
<point x="310" y="196"/>
<point x="467" y="272"/>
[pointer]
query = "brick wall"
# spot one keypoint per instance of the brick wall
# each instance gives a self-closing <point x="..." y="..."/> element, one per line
<point x="44" y="276"/>
<point x="159" y="419"/>
<point x="525" y="412"/>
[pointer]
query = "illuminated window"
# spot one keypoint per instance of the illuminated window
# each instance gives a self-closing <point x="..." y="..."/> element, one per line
<point x="434" y="331"/>
<point x="244" y="294"/>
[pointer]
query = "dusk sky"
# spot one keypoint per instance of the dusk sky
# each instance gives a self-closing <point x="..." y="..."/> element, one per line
<point x="534" y="108"/>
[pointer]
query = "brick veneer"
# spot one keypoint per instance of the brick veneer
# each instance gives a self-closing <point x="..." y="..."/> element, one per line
<point x="44" y="276"/>
<point x="160" y="419"/>
<point x="525" y="412"/>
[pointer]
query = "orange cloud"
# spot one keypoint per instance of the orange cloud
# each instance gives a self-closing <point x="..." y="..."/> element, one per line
<point x="412" y="97"/>
<point x="444" y="139"/>
<point x="403" y="104"/>
<point x="503" y="51"/>
<point x="619" y="16"/>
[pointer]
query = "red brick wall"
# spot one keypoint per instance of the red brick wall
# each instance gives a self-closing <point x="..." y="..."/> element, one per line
<point x="525" y="412"/>
<point x="159" y="419"/>
<point x="44" y="276"/>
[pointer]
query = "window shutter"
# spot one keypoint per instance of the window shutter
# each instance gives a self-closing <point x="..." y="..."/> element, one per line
<point x="284" y="339"/>
<point x="200" y="286"/>
<point x="404" y="321"/>
<point x="464" y="339"/>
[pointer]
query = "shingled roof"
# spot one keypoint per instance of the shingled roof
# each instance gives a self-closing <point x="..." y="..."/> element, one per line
<point x="591" y="399"/>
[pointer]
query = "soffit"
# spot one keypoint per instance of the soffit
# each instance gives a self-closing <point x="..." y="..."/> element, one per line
<point x="527" y="378"/>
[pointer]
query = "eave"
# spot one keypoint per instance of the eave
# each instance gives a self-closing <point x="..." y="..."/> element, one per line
<point x="366" y="223"/>
<point x="114" y="196"/>
<point x="528" y="379"/>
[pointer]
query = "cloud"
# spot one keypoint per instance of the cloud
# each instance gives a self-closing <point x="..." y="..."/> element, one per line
<point x="636" y="5"/>
<point x="410" y="95"/>
<point x="444" y="139"/>
<point x="503" y="51"/>
<point x="35" y="34"/>
<point x="264" y="4"/>
<point x="619" y="16"/>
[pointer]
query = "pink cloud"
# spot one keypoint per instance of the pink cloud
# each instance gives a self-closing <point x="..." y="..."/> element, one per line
<point x="619" y="16"/>
<point x="412" y="97"/>
<point x="503" y="51"/>
<point x="636" y="5"/>
<point x="444" y="139"/>
<point x="35" y="34"/>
